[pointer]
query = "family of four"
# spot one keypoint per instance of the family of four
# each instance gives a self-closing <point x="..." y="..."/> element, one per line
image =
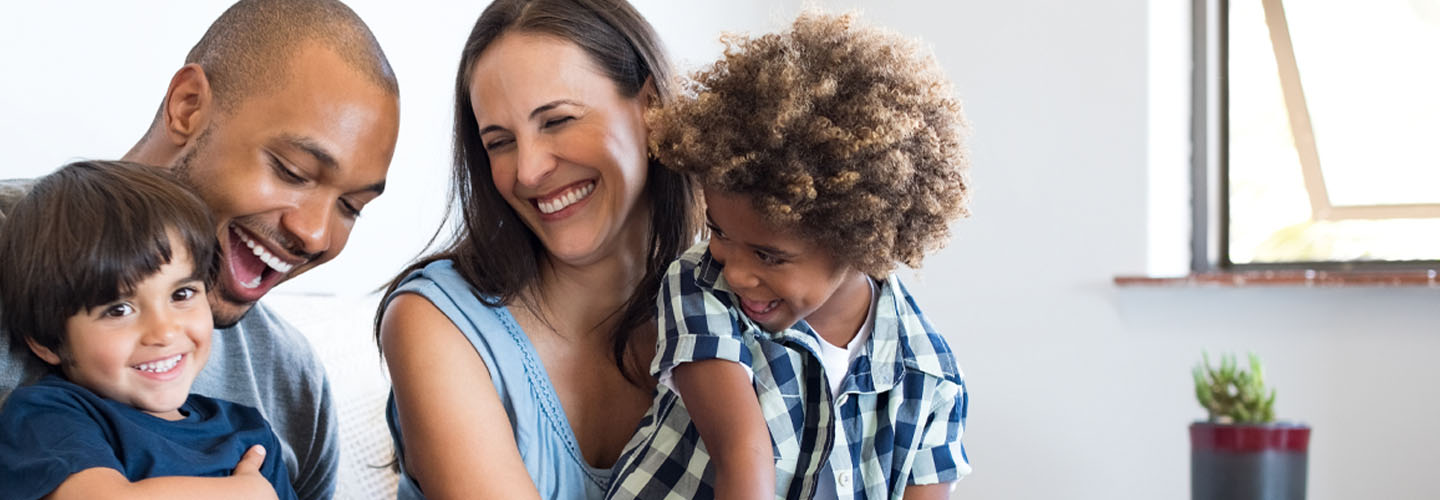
<point x="662" y="287"/>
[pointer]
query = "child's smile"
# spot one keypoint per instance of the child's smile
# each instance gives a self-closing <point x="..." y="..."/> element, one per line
<point x="145" y="348"/>
<point x="780" y="278"/>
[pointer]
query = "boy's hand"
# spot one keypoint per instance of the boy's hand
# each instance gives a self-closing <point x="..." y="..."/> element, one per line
<point x="245" y="483"/>
<point x="247" y="472"/>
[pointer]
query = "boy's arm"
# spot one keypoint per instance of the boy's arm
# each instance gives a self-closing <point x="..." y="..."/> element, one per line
<point x="937" y="491"/>
<point x="723" y="406"/>
<point x="104" y="482"/>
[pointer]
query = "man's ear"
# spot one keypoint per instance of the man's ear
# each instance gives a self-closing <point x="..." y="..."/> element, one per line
<point x="188" y="106"/>
<point x="44" y="352"/>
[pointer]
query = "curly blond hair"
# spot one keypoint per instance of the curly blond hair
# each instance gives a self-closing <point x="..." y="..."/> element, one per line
<point x="846" y="133"/>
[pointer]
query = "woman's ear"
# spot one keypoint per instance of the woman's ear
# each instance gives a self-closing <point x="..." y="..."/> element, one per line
<point x="649" y="94"/>
<point x="188" y="105"/>
<point x="45" y="353"/>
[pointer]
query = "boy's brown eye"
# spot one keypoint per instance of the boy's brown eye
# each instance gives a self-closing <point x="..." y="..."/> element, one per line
<point x="117" y="310"/>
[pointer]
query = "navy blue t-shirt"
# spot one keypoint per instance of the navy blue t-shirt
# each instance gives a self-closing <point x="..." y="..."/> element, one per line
<point x="54" y="428"/>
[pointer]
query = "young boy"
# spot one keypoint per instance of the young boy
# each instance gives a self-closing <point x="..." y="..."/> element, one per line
<point x="793" y="363"/>
<point x="103" y="273"/>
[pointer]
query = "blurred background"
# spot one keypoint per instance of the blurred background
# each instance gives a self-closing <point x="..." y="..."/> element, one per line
<point x="1080" y="111"/>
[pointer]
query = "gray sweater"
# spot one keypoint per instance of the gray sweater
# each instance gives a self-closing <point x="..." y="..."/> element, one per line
<point x="262" y="362"/>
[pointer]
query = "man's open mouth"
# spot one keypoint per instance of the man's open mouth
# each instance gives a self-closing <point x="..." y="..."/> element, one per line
<point x="253" y="266"/>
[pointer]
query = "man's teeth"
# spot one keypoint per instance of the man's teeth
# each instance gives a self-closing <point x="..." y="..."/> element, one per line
<point x="567" y="199"/>
<point x="161" y="366"/>
<point x="265" y="256"/>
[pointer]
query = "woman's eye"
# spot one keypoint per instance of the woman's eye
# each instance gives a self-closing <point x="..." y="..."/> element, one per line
<point x="497" y="144"/>
<point x="558" y="121"/>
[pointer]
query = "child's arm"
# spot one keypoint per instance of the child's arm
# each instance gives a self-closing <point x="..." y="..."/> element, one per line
<point x="723" y="406"/>
<point x="104" y="482"/>
<point x="937" y="491"/>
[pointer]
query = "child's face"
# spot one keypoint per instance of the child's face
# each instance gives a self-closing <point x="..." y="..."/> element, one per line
<point x="144" y="349"/>
<point x="779" y="277"/>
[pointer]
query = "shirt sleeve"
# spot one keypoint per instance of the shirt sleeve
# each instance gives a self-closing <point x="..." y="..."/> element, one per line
<point x="941" y="455"/>
<point x="695" y="325"/>
<point x="45" y="437"/>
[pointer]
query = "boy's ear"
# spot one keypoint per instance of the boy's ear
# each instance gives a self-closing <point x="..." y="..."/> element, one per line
<point x="44" y="352"/>
<point x="188" y="105"/>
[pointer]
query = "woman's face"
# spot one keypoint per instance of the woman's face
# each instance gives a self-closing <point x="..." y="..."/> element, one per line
<point x="567" y="151"/>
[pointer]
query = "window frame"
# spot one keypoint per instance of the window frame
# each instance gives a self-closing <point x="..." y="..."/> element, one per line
<point x="1209" y="176"/>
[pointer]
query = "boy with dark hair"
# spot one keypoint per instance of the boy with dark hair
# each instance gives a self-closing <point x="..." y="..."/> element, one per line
<point x="104" y="269"/>
<point x="793" y="362"/>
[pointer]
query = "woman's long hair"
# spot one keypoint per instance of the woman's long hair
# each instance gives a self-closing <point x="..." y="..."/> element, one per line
<point x="492" y="248"/>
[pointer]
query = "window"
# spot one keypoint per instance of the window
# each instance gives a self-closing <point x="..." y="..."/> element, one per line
<point x="1314" y="134"/>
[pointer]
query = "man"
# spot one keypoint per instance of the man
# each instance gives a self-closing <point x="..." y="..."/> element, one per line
<point x="283" y="120"/>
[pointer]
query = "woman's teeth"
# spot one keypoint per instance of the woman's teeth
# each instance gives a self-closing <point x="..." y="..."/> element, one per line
<point x="161" y="366"/>
<point x="569" y="198"/>
<point x="265" y="256"/>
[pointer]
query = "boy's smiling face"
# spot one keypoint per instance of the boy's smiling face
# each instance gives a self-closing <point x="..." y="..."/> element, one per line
<point x="779" y="277"/>
<point x="145" y="348"/>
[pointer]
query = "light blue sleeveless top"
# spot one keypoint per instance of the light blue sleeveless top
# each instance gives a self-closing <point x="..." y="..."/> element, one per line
<point x="543" y="434"/>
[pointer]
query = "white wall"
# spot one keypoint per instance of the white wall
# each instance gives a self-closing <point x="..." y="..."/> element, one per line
<point x="1079" y="389"/>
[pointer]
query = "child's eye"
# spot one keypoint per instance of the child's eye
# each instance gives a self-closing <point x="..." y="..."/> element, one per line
<point x="767" y="259"/>
<point x="117" y="310"/>
<point x="715" y="232"/>
<point x="184" y="294"/>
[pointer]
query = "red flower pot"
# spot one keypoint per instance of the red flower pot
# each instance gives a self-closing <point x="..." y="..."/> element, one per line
<point x="1248" y="461"/>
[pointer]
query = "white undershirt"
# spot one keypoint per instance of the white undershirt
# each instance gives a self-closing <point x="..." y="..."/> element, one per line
<point x="836" y="361"/>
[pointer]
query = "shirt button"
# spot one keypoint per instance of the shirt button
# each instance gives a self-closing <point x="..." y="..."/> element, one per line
<point x="843" y="478"/>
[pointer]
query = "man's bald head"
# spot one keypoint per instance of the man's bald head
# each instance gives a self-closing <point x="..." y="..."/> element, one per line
<point x="249" y="48"/>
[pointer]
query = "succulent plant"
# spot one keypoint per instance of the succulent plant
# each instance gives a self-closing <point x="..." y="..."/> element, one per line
<point x="1232" y="394"/>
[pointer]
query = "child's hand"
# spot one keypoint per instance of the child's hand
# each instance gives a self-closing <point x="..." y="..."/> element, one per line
<point x="248" y="477"/>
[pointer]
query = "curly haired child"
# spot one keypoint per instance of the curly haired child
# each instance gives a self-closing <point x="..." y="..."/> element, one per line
<point x="104" y="267"/>
<point x="793" y="362"/>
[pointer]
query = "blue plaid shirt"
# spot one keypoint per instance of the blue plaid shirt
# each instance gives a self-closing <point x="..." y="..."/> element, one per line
<point x="897" y="420"/>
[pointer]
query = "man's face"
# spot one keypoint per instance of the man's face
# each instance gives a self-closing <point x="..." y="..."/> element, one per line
<point x="286" y="173"/>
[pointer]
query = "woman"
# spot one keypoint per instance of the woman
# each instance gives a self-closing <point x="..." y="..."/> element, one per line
<point x="538" y="316"/>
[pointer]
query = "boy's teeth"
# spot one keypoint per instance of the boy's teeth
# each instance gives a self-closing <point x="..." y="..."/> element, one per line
<point x="265" y="256"/>
<point x="161" y="366"/>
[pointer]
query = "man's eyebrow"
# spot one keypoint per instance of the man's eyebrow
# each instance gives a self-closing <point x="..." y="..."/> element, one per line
<point x="312" y="148"/>
<point x="324" y="157"/>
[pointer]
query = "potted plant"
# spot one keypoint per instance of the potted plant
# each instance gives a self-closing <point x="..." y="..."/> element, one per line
<point x="1240" y="452"/>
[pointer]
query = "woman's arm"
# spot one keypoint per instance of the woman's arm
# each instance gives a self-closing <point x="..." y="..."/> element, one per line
<point x="723" y="406"/>
<point x="449" y="410"/>
<point x="104" y="482"/>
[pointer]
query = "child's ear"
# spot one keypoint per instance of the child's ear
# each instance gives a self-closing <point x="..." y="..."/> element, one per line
<point x="44" y="352"/>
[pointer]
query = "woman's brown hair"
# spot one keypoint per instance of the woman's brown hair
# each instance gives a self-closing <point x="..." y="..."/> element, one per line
<point x="492" y="248"/>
